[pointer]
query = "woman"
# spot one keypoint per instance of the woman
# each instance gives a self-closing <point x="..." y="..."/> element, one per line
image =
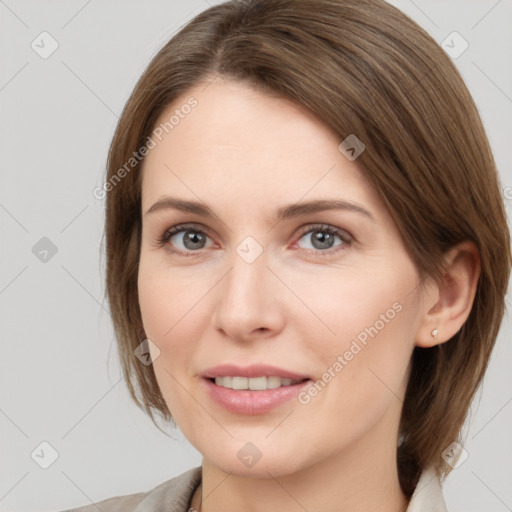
<point x="307" y="257"/>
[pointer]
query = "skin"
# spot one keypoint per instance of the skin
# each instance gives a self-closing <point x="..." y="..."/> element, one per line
<point x="245" y="154"/>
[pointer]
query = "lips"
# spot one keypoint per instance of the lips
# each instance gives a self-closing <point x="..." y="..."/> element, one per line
<point x="257" y="370"/>
<point x="251" y="390"/>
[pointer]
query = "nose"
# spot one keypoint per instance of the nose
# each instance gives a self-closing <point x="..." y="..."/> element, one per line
<point x="250" y="300"/>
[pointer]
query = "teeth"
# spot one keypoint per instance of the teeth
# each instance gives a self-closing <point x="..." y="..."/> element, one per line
<point x="273" y="382"/>
<point x="239" y="383"/>
<point x="254" y="383"/>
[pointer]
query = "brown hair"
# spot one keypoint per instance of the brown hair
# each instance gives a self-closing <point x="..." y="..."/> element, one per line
<point x="364" y="68"/>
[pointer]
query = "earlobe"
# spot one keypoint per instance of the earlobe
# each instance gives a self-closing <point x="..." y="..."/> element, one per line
<point x="454" y="294"/>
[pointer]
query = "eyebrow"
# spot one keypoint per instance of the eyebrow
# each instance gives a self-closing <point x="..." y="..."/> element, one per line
<point x="283" y="213"/>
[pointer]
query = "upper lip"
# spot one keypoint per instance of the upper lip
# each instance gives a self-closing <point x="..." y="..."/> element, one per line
<point x="254" y="370"/>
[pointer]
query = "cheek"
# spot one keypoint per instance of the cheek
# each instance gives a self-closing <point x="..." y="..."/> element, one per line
<point x="362" y="352"/>
<point x="167" y="301"/>
<point x="164" y="305"/>
<point x="154" y="302"/>
<point x="174" y="319"/>
<point x="352" y="305"/>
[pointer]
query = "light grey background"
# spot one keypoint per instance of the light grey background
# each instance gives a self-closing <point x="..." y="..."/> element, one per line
<point x="60" y="380"/>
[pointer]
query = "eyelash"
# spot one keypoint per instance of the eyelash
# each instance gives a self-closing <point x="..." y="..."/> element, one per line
<point x="163" y="239"/>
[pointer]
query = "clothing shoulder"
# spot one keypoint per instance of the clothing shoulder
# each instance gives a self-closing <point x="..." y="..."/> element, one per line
<point x="428" y="495"/>
<point x="174" y="495"/>
<point x="126" y="503"/>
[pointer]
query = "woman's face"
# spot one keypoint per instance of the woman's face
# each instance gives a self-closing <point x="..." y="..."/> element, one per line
<point x="327" y="295"/>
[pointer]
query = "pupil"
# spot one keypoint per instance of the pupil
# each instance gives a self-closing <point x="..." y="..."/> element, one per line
<point x="194" y="238"/>
<point x="324" y="239"/>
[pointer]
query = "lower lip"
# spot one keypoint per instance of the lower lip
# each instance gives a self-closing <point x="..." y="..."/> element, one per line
<point x="245" y="401"/>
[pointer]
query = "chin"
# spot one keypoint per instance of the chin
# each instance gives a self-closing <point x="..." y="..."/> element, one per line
<point x="258" y="459"/>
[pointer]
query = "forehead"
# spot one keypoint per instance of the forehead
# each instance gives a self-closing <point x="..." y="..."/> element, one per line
<point x="239" y="142"/>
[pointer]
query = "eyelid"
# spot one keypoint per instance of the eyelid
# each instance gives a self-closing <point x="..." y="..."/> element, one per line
<point x="192" y="226"/>
<point x="163" y="239"/>
<point x="307" y="228"/>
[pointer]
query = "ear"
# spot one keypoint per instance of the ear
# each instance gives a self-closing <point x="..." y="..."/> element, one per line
<point x="450" y="301"/>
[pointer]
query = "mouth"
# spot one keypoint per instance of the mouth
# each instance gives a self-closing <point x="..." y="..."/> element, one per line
<point x="253" y="393"/>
